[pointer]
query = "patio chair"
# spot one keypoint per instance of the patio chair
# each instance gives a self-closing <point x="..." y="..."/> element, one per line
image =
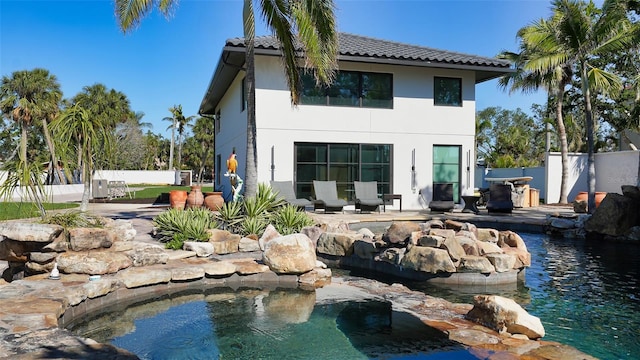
<point x="327" y="196"/>
<point x="367" y="196"/>
<point x="284" y="190"/>
<point x="500" y="198"/>
<point x="442" y="197"/>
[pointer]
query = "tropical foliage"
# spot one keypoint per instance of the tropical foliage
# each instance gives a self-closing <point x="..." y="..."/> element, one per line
<point x="74" y="219"/>
<point x="174" y="226"/>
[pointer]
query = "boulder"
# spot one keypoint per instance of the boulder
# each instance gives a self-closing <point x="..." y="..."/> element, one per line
<point x="453" y="247"/>
<point x="42" y="257"/>
<point x="502" y="262"/>
<point x="136" y="277"/>
<point x="453" y="225"/>
<point x="428" y="259"/>
<point x="269" y="234"/>
<point x="488" y="248"/>
<point x="219" y="268"/>
<point x="504" y="315"/>
<point x="392" y="255"/>
<point x="202" y="249"/>
<point x="400" y="231"/>
<point x="82" y="239"/>
<point x="512" y="239"/>
<point x="476" y="264"/>
<point x="615" y="215"/>
<point x="122" y="229"/>
<point x="147" y="254"/>
<point x="248" y="245"/>
<point x="313" y="233"/>
<point x="421" y="238"/>
<point x="249" y="267"/>
<point x="631" y="191"/>
<point x="365" y="248"/>
<point x="224" y="242"/>
<point x="338" y="244"/>
<point x="523" y="257"/>
<point x="432" y="224"/>
<point x="318" y="277"/>
<point x="487" y="235"/>
<point x="29" y="231"/>
<point x="92" y="263"/>
<point x="291" y="254"/>
<point x="366" y="233"/>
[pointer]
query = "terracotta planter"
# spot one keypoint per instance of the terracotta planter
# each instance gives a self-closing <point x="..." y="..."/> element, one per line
<point x="584" y="196"/>
<point x="177" y="199"/>
<point x="213" y="200"/>
<point x="195" y="198"/>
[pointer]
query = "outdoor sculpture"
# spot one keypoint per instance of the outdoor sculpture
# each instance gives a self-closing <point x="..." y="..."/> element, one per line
<point x="235" y="179"/>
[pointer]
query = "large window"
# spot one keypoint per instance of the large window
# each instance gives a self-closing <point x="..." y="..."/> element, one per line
<point x="344" y="163"/>
<point x="446" y="167"/>
<point x="350" y="88"/>
<point x="447" y="91"/>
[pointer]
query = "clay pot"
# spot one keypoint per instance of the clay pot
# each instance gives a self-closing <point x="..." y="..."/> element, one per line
<point x="213" y="200"/>
<point x="177" y="199"/>
<point x="195" y="198"/>
<point x="584" y="196"/>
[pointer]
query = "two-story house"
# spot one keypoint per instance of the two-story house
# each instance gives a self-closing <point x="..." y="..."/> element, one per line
<point x="400" y="114"/>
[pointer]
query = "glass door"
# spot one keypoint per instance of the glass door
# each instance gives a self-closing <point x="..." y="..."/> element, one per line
<point x="446" y="167"/>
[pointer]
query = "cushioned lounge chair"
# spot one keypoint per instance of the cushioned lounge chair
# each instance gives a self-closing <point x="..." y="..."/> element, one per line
<point x="327" y="196"/>
<point x="367" y="196"/>
<point x="442" y="197"/>
<point x="284" y="190"/>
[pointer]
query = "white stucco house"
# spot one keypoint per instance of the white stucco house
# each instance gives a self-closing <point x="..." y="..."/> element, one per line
<point x="400" y="114"/>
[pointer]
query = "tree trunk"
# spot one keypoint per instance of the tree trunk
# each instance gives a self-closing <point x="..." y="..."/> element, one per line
<point x="591" y="168"/>
<point x="251" y="170"/>
<point x="564" y="147"/>
<point x="173" y="137"/>
<point x="52" y="151"/>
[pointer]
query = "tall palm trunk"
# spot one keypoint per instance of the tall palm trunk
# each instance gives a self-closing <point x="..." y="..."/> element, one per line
<point x="173" y="137"/>
<point x="52" y="151"/>
<point x="591" y="168"/>
<point x="251" y="171"/>
<point x="564" y="147"/>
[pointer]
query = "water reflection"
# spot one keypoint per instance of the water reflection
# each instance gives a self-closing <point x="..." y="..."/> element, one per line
<point x="266" y="324"/>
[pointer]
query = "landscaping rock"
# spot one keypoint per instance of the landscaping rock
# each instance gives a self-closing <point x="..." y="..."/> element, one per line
<point x="476" y="264"/>
<point x="219" y="268"/>
<point x="487" y="235"/>
<point x="504" y="315"/>
<point x="136" y="277"/>
<point x="248" y="245"/>
<point x="365" y="248"/>
<point x="338" y="244"/>
<point x="185" y="273"/>
<point x="291" y="254"/>
<point x="82" y="239"/>
<point x="502" y="262"/>
<point x="317" y="277"/>
<point x="427" y="259"/>
<point x="269" y="234"/>
<point x="313" y="233"/>
<point x="512" y="239"/>
<point x="17" y="251"/>
<point x="30" y="231"/>
<point x="615" y="215"/>
<point x="93" y="263"/>
<point x="400" y="231"/>
<point x="202" y="249"/>
<point x="392" y="255"/>
<point x="224" y="242"/>
<point x="148" y="254"/>
<point x="122" y="229"/>
<point x="488" y="248"/>
<point x="249" y="267"/>
<point x="453" y="247"/>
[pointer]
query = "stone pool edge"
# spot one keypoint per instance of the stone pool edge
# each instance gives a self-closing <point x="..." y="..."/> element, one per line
<point x="34" y="308"/>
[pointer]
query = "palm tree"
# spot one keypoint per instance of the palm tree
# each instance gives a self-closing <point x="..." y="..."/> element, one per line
<point x="585" y="32"/>
<point x="76" y="128"/>
<point x="554" y="80"/>
<point x="179" y="123"/>
<point x="31" y="95"/>
<point x="311" y="22"/>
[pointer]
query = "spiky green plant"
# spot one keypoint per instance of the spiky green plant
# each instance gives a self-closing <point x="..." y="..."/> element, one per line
<point x="74" y="219"/>
<point x="230" y="215"/>
<point x="289" y="219"/>
<point x="253" y="225"/>
<point x="174" y="226"/>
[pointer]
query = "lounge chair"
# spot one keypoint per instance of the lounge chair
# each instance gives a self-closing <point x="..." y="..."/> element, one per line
<point x="500" y="198"/>
<point x="367" y="196"/>
<point x="327" y="196"/>
<point x="442" y="197"/>
<point x="284" y="190"/>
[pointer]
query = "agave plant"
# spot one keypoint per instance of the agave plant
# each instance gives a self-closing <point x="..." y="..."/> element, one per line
<point x="74" y="219"/>
<point x="174" y="226"/>
<point x="253" y="225"/>
<point x="229" y="216"/>
<point x="289" y="219"/>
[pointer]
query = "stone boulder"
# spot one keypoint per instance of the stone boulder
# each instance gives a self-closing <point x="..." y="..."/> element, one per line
<point x="512" y="239"/>
<point x="504" y="315"/>
<point x="488" y="235"/>
<point x="392" y="255"/>
<point x="615" y="215"/>
<point x="224" y="242"/>
<point x="400" y="232"/>
<point x="502" y="262"/>
<point x="313" y="233"/>
<point x="488" y="248"/>
<point x="93" y="263"/>
<point x="338" y="244"/>
<point x="122" y="229"/>
<point x="291" y="254"/>
<point x="428" y="259"/>
<point x="202" y="249"/>
<point x="83" y="239"/>
<point x="365" y="248"/>
<point x="269" y="234"/>
<point x="17" y="251"/>
<point x="475" y="264"/>
<point x="147" y="254"/>
<point x="26" y="231"/>
<point x="248" y="245"/>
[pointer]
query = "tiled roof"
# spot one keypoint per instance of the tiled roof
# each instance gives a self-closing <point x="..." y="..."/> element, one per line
<point x="362" y="46"/>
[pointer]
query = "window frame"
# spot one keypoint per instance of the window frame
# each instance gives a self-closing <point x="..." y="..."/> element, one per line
<point x="357" y="101"/>
<point x="436" y="81"/>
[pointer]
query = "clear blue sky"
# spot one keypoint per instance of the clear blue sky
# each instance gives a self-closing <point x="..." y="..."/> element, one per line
<point x="166" y="62"/>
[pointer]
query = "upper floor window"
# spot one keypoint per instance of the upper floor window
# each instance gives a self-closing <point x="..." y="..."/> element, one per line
<point x="447" y="91"/>
<point x="350" y="88"/>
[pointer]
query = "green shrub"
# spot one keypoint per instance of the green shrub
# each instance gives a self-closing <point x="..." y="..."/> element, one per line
<point x="74" y="219"/>
<point x="174" y="226"/>
<point x="253" y="225"/>
<point x="229" y="216"/>
<point x="289" y="219"/>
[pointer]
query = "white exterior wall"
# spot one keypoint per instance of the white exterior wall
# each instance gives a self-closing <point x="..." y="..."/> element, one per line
<point x="159" y="177"/>
<point x="413" y="123"/>
<point x="613" y="170"/>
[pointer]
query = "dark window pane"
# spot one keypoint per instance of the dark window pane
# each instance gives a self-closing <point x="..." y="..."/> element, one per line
<point x="447" y="91"/>
<point x="375" y="154"/>
<point x="343" y="172"/>
<point x="310" y="172"/>
<point x="311" y="153"/>
<point x="345" y="90"/>
<point x="379" y="173"/>
<point x="344" y="153"/>
<point x="311" y="94"/>
<point x="376" y="90"/>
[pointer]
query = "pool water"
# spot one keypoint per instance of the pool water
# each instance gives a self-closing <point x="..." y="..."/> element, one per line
<point x="280" y="324"/>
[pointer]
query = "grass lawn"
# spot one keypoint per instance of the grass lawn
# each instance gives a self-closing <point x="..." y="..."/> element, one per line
<point x="18" y="210"/>
<point x="151" y="193"/>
